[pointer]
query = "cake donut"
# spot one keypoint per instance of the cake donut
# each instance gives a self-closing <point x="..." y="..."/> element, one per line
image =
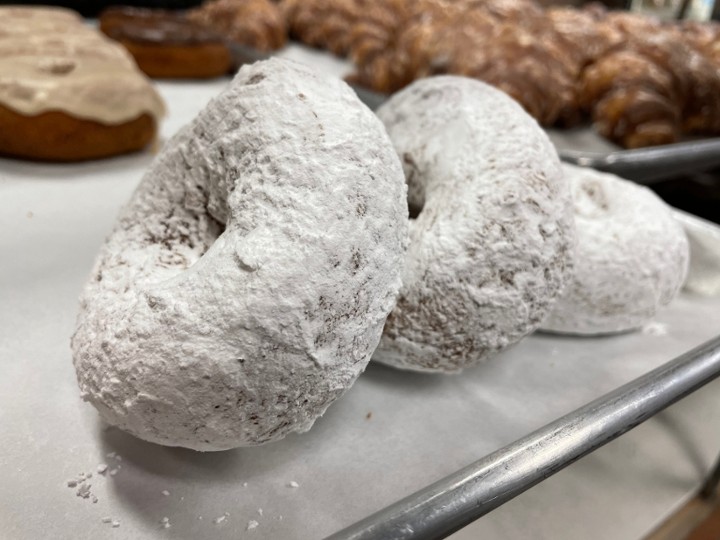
<point x="166" y="44"/>
<point x="631" y="256"/>
<point x="66" y="92"/>
<point x="246" y="283"/>
<point x="491" y="247"/>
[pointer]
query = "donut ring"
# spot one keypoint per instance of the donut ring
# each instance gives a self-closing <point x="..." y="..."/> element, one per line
<point x="246" y="284"/>
<point x="491" y="248"/>
<point x="631" y="256"/>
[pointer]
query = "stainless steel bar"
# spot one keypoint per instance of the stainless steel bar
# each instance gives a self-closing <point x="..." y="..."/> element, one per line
<point x="710" y="488"/>
<point x="455" y="501"/>
<point x="648" y="165"/>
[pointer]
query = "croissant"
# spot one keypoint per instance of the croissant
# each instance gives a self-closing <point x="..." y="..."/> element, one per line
<point x="321" y="23"/>
<point x="642" y="81"/>
<point x="705" y="38"/>
<point x="255" y="23"/>
<point x="507" y="43"/>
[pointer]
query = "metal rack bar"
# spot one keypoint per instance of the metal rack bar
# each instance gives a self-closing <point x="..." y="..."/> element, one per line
<point x="459" y="499"/>
<point x="648" y="165"/>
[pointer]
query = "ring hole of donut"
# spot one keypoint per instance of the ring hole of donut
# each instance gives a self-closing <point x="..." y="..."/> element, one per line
<point x="414" y="210"/>
<point x="415" y="201"/>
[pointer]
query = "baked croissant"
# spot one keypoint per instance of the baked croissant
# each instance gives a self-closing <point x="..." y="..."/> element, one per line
<point x="506" y="43"/>
<point x="255" y="23"/>
<point x="650" y="87"/>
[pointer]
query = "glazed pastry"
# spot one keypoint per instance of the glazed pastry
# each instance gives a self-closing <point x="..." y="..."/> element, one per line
<point x="650" y="91"/>
<point x="508" y="44"/>
<point x="705" y="37"/>
<point x="167" y="45"/>
<point x="358" y="28"/>
<point x="66" y="92"/>
<point x="255" y="23"/>
<point x="246" y="283"/>
<point x="321" y="23"/>
<point x="631" y="256"/>
<point x="491" y="247"/>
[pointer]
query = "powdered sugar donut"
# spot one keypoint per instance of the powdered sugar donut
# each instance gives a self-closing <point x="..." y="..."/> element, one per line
<point x="246" y="283"/>
<point x="491" y="249"/>
<point x="631" y="256"/>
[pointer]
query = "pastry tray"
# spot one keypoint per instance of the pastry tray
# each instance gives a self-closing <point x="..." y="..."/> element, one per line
<point x="392" y="434"/>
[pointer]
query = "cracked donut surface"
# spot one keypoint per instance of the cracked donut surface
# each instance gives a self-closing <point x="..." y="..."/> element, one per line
<point x="247" y="282"/>
<point x="631" y="256"/>
<point x="491" y="247"/>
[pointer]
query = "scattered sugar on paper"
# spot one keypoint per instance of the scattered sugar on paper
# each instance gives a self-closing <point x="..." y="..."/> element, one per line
<point x="115" y="523"/>
<point x="219" y="520"/>
<point x="655" y="329"/>
<point x="165" y="522"/>
<point x="84" y="491"/>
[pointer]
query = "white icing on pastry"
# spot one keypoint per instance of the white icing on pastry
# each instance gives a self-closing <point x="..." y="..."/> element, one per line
<point x="631" y="256"/>
<point x="491" y="249"/>
<point x="247" y="282"/>
<point x="51" y="61"/>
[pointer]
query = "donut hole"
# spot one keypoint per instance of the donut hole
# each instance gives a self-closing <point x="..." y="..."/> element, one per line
<point x="414" y="210"/>
<point x="416" y="189"/>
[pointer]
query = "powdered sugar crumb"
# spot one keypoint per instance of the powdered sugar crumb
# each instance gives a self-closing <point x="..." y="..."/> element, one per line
<point x="655" y="329"/>
<point x="260" y="511"/>
<point x="293" y="484"/>
<point x="165" y="492"/>
<point x="84" y="491"/>
<point x="102" y="468"/>
<point x="252" y="524"/>
<point x="219" y="520"/>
